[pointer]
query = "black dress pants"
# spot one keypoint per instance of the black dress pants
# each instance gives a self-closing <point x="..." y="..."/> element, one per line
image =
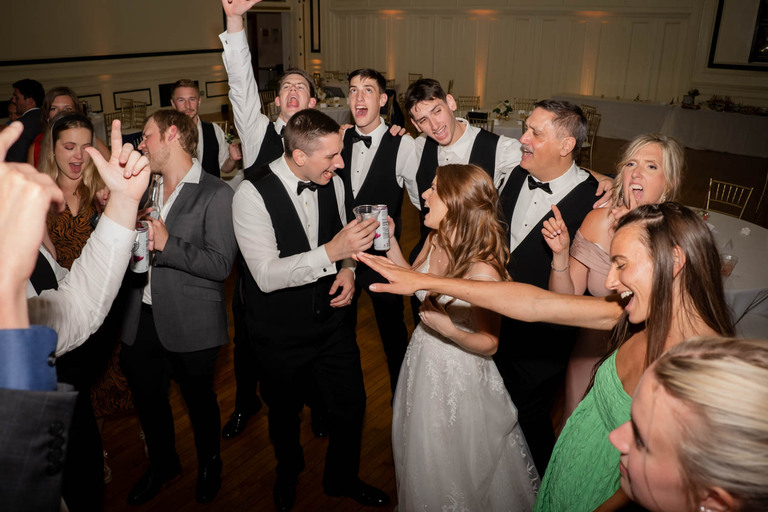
<point x="327" y="353"/>
<point x="148" y="367"/>
<point x="388" y="309"/>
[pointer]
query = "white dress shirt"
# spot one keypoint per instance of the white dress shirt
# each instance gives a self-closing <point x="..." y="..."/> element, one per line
<point x="256" y="235"/>
<point x="251" y="124"/>
<point x="85" y="294"/>
<point x="192" y="176"/>
<point x="508" y="154"/>
<point x="220" y="138"/>
<point x="533" y="204"/>
<point x="406" y="164"/>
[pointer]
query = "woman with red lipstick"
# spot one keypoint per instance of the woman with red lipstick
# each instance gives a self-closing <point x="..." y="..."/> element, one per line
<point x="648" y="172"/>
<point x="697" y="436"/>
<point x="64" y="159"/>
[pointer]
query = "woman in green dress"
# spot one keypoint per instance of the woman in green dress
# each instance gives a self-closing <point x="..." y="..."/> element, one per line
<point x="665" y="268"/>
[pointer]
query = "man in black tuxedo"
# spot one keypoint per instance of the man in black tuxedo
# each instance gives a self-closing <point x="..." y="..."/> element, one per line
<point x="532" y="357"/>
<point x="28" y="95"/>
<point x="378" y="166"/>
<point x="288" y="223"/>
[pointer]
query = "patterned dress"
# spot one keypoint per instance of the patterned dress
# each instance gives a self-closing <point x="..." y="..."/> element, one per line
<point x="456" y="440"/>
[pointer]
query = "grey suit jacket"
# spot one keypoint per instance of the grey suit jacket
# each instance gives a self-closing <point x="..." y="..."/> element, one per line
<point x="188" y="274"/>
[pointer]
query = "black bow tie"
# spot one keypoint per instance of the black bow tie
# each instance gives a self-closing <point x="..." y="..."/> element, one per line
<point x="365" y="139"/>
<point x="310" y="185"/>
<point x="532" y="184"/>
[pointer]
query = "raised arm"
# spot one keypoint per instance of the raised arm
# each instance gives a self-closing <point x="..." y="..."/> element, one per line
<point x="251" y="124"/>
<point x="515" y="300"/>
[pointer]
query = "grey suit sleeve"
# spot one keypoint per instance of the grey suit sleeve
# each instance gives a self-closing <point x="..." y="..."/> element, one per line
<point x="214" y="259"/>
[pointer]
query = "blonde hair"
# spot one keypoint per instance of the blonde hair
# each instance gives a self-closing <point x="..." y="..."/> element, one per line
<point x="672" y="161"/>
<point x="91" y="181"/>
<point x="724" y="383"/>
<point x="472" y="230"/>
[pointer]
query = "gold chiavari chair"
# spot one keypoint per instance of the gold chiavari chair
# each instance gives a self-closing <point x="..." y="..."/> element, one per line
<point x="585" y="154"/>
<point x="728" y="198"/>
<point x="467" y="104"/>
<point x="412" y="77"/>
<point x="523" y="104"/>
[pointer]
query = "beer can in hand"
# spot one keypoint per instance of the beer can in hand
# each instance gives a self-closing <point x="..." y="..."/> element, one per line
<point x="379" y="212"/>
<point x="140" y="252"/>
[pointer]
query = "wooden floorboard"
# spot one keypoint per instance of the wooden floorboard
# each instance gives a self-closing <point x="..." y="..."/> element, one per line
<point x="249" y="463"/>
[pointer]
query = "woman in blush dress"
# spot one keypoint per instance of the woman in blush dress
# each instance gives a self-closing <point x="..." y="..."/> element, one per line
<point x="649" y="172"/>
<point x="455" y="436"/>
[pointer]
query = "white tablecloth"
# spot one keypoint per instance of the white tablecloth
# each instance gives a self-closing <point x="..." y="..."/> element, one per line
<point x="512" y="128"/>
<point x="727" y="132"/>
<point x="746" y="289"/>
<point x="340" y="114"/>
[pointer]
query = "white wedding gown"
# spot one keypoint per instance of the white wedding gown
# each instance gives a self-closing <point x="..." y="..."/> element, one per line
<point x="456" y="441"/>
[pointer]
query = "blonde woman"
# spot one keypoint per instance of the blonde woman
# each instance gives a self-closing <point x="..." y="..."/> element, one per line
<point x="698" y="437"/>
<point x="64" y="159"/>
<point x="649" y="172"/>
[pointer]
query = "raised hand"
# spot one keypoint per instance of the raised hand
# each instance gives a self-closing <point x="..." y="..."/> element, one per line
<point x="126" y="174"/>
<point x="234" y="10"/>
<point x="621" y="210"/>
<point x="26" y="196"/>
<point x="556" y="233"/>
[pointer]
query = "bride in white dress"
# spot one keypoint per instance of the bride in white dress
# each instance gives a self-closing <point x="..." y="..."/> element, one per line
<point x="456" y="441"/>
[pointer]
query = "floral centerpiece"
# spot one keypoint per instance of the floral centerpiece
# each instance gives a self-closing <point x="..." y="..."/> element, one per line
<point x="503" y="109"/>
<point x="321" y="94"/>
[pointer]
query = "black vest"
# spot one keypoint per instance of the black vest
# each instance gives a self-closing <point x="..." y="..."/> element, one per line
<point x="210" y="161"/>
<point x="380" y="185"/>
<point x="296" y="307"/>
<point x="483" y="155"/>
<point x="270" y="150"/>
<point x="530" y="261"/>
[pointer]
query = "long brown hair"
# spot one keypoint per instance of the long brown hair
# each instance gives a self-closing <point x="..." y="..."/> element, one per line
<point x="91" y="181"/>
<point x="472" y="230"/>
<point x="666" y="226"/>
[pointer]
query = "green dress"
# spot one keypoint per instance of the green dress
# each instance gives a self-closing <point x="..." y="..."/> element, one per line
<point x="584" y="469"/>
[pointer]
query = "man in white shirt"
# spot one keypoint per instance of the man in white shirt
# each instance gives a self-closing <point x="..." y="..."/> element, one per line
<point x="260" y="137"/>
<point x="262" y="143"/>
<point x="532" y="356"/>
<point x="288" y="219"/>
<point x="378" y="167"/>
<point x="175" y="314"/>
<point x="213" y="152"/>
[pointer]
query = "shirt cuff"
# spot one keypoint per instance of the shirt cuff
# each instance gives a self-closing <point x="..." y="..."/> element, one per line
<point x="235" y="40"/>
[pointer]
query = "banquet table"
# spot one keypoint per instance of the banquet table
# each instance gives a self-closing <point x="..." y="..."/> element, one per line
<point x="512" y="128"/>
<point x="746" y="289"/>
<point x="340" y="114"/>
<point x="727" y="132"/>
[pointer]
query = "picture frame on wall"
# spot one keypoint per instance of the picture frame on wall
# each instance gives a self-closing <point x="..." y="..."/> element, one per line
<point x="142" y="95"/>
<point x="729" y="48"/>
<point x="93" y="101"/>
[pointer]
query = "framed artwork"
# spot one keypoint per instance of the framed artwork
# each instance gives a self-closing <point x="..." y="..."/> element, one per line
<point x="94" y="102"/>
<point x="740" y="36"/>
<point x="144" y="95"/>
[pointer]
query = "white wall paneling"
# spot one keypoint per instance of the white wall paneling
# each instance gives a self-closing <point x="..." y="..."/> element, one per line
<point x="505" y="48"/>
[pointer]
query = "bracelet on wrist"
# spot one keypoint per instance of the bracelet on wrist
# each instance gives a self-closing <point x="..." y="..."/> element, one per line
<point x="559" y="269"/>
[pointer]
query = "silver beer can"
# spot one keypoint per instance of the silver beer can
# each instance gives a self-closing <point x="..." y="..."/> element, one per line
<point x="140" y="251"/>
<point x="381" y="241"/>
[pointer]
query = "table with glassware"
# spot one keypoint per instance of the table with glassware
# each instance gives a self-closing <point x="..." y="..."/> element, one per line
<point x="746" y="288"/>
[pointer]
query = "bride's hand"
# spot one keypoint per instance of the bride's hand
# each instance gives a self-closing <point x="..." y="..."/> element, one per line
<point x="433" y="315"/>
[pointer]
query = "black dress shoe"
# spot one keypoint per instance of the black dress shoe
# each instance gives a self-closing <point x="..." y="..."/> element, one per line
<point x="284" y="494"/>
<point x="208" y="480"/>
<point x="150" y="484"/>
<point x="319" y="424"/>
<point x="362" y="493"/>
<point x="239" y="420"/>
